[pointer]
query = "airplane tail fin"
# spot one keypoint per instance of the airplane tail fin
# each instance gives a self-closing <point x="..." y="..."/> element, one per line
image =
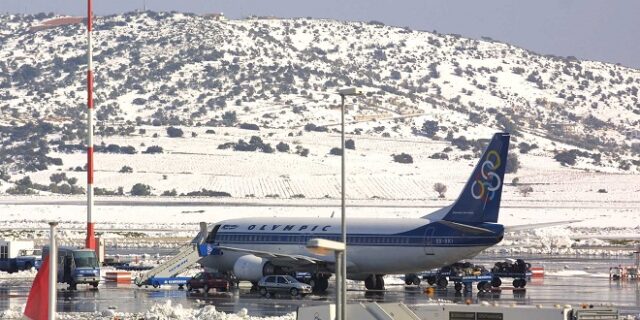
<point x="480" y="198"/>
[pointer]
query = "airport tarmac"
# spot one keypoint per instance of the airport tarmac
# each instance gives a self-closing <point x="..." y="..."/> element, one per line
<point x="569" y="280"/>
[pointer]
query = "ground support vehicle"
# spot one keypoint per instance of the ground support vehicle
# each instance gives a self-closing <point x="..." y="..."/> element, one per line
<point x="156" y="282"/>
<point x="461" y="281"/>
<point x="517" y="269"/>
<point x="76" y="266"/>
<point x="18" y="255"/>
<point x="463" y="275"/>
<point x="519" y="278"/>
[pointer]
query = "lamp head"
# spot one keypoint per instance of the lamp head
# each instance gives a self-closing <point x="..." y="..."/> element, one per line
<point x="350" y="92"/>
<point x="324" y="247"/>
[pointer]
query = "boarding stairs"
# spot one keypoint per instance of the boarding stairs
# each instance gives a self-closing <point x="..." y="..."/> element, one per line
<point x="187" y="256"/>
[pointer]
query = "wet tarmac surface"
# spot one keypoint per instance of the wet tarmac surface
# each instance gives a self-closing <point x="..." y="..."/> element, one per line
<point x="585" y="281"/>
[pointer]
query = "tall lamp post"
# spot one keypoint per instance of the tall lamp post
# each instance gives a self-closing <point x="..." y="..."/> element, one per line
<point x="341" y="256"/>
<point x="323" y="247"/>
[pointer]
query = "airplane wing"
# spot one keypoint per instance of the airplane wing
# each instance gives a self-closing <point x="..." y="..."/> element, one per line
<point x="538" y="225"/>
<point x="277" y="258"/>
<point x="624" y="237"/>
<point x="465" y="227"/>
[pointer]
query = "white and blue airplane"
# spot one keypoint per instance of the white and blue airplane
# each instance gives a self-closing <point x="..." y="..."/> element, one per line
<point x="251" y="248"/>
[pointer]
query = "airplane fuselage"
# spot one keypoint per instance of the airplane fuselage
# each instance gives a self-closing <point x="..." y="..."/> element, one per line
<point x="374" y="246"/>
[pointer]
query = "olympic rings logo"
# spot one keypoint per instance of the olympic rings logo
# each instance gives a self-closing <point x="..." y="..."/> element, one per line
<point x="488" y="182"/>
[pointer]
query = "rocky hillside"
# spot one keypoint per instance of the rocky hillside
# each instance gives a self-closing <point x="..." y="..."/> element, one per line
<point x="161" y="70"/>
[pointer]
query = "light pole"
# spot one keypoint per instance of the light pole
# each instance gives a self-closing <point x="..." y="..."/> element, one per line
<point x="341" y="256"/>
<point x="323" y="247"/>
<point x="53" y="271"/>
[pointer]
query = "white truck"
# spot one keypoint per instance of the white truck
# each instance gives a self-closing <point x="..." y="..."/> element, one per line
<point x="16" y="255"/>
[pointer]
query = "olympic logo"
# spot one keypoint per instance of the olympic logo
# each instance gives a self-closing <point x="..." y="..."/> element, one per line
<point x="488" y="181"/>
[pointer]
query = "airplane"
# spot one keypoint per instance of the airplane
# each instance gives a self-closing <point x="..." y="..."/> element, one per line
<point x="251" y="248"/>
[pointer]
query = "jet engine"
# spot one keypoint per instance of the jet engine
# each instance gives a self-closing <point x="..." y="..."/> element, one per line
<point x="252" y="268"/>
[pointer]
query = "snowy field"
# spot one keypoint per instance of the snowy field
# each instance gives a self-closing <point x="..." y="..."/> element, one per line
<point x="285" y="184"/>
<point x="559" y="194"/>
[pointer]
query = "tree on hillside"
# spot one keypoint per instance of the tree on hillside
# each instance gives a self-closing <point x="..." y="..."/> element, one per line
<point x="525" y="190"/>
<point x="350" y="144"/>
<point x="513" y="164"/>
<point x="440" y="188"/>
<point x="174" y="132"/>
<point x="140" y="189"/>
<point x="229" y="118"/>
<point x="430" y="128"/>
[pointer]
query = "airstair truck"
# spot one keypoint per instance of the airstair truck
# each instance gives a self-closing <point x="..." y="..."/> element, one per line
<point x="166" y="273"/>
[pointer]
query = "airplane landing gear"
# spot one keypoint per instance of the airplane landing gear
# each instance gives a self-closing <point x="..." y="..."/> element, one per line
<point x="412" y="278"/>
<point x="374" y="282"/>
<point x="319" y="283"/>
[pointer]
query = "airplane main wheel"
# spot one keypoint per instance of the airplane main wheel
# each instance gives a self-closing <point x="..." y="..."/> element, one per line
<point x="519" y="283"/>
<point x="370" y="282"/>
<point x="374" y="282"/>
<point x="319" y="283"/>
<point x="442" y="282"/>
<point x="379" y="282"/>
<point x="323" y="284"/>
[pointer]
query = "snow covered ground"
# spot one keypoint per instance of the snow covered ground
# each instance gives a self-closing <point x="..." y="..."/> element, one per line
<point x="160" y="311"/>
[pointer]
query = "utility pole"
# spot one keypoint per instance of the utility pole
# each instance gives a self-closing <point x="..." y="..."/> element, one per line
<point x="91" y="238"/>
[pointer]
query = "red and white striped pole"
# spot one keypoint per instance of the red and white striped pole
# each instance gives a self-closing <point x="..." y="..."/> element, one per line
<point x="91" y="239"/>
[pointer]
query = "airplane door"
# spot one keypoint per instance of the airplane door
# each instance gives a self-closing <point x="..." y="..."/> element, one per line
<point x="211" y="238"/>
<point x="428" y="241"/>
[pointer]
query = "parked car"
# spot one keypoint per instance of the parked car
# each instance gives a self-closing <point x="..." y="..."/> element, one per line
<point x="282" y="284"/>
<point x="207" y="281"/>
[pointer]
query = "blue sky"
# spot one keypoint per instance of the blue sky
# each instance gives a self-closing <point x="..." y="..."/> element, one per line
<point x="604" y="30"/>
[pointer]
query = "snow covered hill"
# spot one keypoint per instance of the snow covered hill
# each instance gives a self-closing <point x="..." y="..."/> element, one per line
<point x="435" y="97"/>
